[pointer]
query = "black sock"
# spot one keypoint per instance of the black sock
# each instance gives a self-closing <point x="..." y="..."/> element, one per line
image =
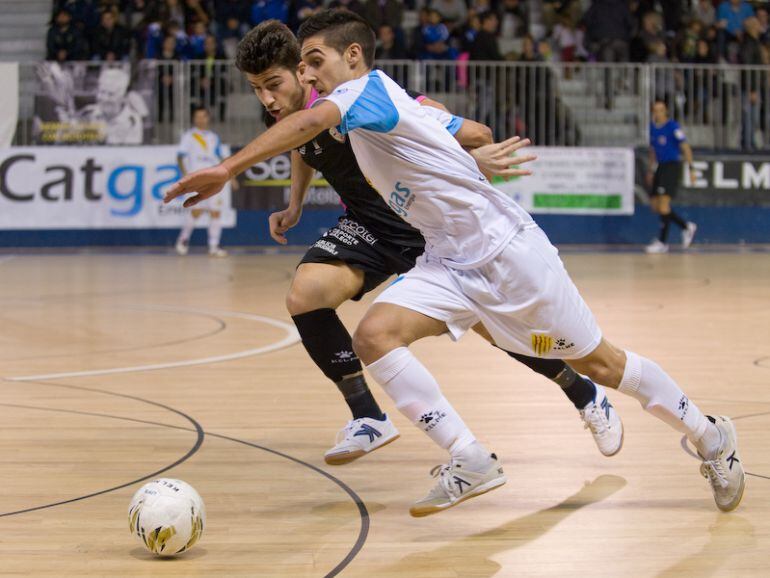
<point x="578" y="389"/>
<point x="331" y="348"/>
<point x="676" y="219"/>
<point x="359" y="398"/>
<point x="665" y="222"/>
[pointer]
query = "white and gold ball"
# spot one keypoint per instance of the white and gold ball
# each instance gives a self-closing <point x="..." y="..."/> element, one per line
<point x="167" y="516"/>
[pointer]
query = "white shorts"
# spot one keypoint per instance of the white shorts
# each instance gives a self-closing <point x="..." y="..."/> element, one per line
<point x="524" y="297"/>
<point x="214" y="203"/>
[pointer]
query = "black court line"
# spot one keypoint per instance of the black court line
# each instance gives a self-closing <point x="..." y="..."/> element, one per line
<point x="221" y="326"/>
<point x="363" y="532"/>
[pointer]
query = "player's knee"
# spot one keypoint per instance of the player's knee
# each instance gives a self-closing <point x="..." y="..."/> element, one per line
<point x="372" y="340"/>
<point x="302" y="299"/>
<point x="604" y="372"/>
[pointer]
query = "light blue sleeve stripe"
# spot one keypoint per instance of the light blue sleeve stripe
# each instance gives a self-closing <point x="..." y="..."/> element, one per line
<point x="373" y="109"/>
<point x="455" y="124"/>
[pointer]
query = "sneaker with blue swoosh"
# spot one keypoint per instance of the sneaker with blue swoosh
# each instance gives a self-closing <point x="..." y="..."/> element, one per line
<point x="358" y="438"/>
<point x="600" y="417"/>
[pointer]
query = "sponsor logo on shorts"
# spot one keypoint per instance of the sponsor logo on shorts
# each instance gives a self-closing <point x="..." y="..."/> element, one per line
<point x="357" y="229"/>
<point x="342" y="236"/>
<point x="344" y="356"/>
<point x="327" y="246"/>
<point x="684" y="406"/>
<point x="562" y="344"/>
<point x="541" y="344"/>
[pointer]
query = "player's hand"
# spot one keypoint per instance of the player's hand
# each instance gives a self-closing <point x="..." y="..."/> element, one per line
<point x="205" y="183"/>
<point x="496" y="160"/>
<point x="281" y="222"/>
<point x="693" y="177"/>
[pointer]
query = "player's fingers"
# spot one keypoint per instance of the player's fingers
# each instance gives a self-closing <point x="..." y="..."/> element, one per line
<point x="176" y="190"/>
<point x="520" y="160"/>
<point x="506" y="145"/>
<point x="192" y="201"/>
<point x="508" y="173"/>
<point x="509" y="148"/>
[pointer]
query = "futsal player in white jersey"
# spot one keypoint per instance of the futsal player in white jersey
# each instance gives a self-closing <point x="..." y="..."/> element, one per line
<point x="485" y="260"/>
<point x="200" y="148"/>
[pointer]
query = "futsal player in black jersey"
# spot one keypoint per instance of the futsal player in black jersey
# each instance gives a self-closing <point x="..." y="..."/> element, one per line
<point x="369" y="244"/>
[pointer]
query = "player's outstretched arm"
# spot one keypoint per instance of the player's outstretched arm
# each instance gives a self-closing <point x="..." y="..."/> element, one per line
<point x="293" y="131"/>
<point x="301" y="177"/>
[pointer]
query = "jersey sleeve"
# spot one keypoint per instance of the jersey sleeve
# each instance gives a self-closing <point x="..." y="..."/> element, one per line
<point x="370" y="108"/>
<point x="418" y="96"/>
<point x="449" y="121"/>
<point x="185" y="145"/>
<point x="679" y="135"/>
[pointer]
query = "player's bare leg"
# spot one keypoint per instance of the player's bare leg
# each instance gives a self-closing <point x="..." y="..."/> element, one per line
<point x="644" y="380"/>
<point x="215" y="234"/>
<point x="183" y="241"/>
<point x="382" y="342"/>
<point x="598" y="414"/>
<point x="317" y="290"/>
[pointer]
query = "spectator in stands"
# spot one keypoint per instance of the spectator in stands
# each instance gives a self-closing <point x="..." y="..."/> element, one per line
<point x="453" y="12"/>
<point x="703" y="11"/>
<point x="209" y="80"/>
<point x="688" y="44"/>
<point x="111" y="40"/>
<point x="529" y="51"/>
<point x="513" y="19"/>
<point x="730" y="17"/>
<point x="230" y="34"/>
<point x="302" y="10"/>
<point x="166" y="77"/>
<point x="565" y="38"/>
<point x="752" y="82"/>
<point x="384" y="13"/>
<point x="486" y="46"/>
<point x="764" y="25"/>
<point x="435" y="40"/>
<point x="609" y="25"/>
<point x="194" y="12"/>
<point x="416" y="46"/>
<point x="651" y="32"/>
<point x="182" y="40"/>
<point x="387" y="47"/>
<point x="85" y="15"/>
<point x="197" y="39"/>
<point x="172" y="11"/>
<point x="470" y="30"/>
<point x="355" y="6"/>
<point x="64" y="41"/>
<point x="226" y="10"/>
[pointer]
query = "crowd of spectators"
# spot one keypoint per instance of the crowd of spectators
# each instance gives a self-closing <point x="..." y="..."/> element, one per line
<point x="696" y="31"/>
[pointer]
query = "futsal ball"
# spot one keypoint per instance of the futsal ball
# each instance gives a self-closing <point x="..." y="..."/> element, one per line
<point x="167" y="516"/>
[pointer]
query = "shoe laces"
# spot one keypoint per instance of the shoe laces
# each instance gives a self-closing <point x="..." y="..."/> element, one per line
<point x="594" y="419"/>
<point x="441" y="472"/>
<point x="714" y="472"/>
<point x="346" y="432"/>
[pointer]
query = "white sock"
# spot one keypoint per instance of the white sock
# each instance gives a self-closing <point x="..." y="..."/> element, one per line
<point x="215" y="232"/>
<point x="418" y="397"/>
<point x="187" y="228"/>
<point x="644" y="380"/>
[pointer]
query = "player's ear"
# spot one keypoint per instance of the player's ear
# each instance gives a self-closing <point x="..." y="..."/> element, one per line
<point x="353" y="54"/>
<point x="301" y="71"/>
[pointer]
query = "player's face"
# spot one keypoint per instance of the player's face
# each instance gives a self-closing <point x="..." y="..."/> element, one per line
<point x="659" y="112"/>
<point x="279" y="90"/>
<point x="201" y="119"/>
<point x="325" y="68"/>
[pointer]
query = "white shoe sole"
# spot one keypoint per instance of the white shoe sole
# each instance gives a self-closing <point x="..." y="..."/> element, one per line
<point x="427" y="510"/>
<point x="342" y="458"/>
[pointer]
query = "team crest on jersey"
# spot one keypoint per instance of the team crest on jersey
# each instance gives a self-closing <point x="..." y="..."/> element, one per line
<point x="541" y="344"/>
<point x="337" y="135"/>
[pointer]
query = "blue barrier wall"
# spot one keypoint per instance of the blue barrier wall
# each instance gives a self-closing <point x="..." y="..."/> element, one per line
<point x="716" y="225"/>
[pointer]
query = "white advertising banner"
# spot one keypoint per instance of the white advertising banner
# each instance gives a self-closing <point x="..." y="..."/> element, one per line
<point x="92" y="188"/>
<point x="576" y="181"/>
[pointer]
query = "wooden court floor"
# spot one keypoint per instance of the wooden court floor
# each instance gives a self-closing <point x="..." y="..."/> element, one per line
<point x="115" y="368"/>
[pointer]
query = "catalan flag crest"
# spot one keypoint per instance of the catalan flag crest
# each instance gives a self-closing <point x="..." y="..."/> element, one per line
<point x="541" y="344"/>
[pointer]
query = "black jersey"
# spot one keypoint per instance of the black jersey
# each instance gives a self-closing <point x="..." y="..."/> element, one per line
<point x="330" y="153"/>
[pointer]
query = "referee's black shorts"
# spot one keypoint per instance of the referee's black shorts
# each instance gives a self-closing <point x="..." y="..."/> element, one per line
<point x="666" y="181"/>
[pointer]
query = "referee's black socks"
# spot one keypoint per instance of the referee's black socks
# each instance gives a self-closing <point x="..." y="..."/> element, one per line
<point x="330" y="346"/>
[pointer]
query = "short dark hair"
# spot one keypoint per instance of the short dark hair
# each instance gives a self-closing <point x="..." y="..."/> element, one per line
<point x="271" y="43"/>
<point x="340" y="28"/>
<point x="196" y="108"/>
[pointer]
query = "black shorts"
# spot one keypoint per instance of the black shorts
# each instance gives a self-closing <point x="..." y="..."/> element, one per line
<point x="666" y="181"/>
<point x="353" y="244"/>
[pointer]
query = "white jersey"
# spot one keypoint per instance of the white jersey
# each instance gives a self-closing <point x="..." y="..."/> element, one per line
<point x="200" y="149"/>
<point x="407" y="154"/>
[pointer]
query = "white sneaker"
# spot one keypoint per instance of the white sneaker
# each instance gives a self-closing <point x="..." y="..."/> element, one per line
<point x="182" y="247"/>
<point x="656" y="247"/>
<point x="359" y="437"/>
<point x="456" y="484"/>
<point x="725" y="471"/>
<point x="688" y="234"/>
<point x="601" y="418"/>
<point x="217" y="252"/>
